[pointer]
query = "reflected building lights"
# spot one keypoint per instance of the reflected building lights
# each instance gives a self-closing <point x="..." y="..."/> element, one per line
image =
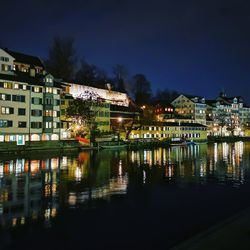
<point x="78" y="174"/>
<point x="34" y="183"/>
<point x="144" y="176"/>
<point x="120" y="168"/>
<point x="54" y="163"/>
<point x="1" y="170"/>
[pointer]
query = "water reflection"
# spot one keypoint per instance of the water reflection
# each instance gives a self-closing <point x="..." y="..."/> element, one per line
<point x="37" y="189"/>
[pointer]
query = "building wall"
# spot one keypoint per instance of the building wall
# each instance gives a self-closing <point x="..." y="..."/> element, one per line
<point x="110" y="96"/>
<point x="6" y="62"/>
<point x="10" y="109"/>
<point x="191" y="109"/>
<point x="103" y="117"/>
<point x="195" y="133"/>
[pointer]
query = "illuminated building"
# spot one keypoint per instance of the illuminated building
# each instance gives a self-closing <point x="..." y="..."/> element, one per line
<point x="192" y="108"/>
<point x="169" y="130"/>
<point x="229" y="116"/>
<point x="164" y="110"/>
<point x="29" y="100"/>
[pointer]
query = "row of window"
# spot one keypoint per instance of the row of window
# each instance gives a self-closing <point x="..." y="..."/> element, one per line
<point x="48" y="101"/>
<point x="176" y="128"/>
<point x="15" y="98"/>
<point x="36" y="89"/>
<point x="34" y="112"/>
<point x="51" y="113"/>
<point x="8" y="124"/>
<point x="4" y="58"/>
<point x="193" y="128"/>
<point x="10" y="110"/>
<point x="23" y="124"/>
<point x="10" y="85"/>
<point x="37" y="125"/>
<point x="194" y="135"/>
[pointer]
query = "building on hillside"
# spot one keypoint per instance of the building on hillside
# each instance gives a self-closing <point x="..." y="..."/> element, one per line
<point x="229" y="115"/>
<point x="108" y="95"/>
<point x="29" y="102"/>
<point x="100" y="107"/>
<point x="169" y="130"/>
<point x="164" y="111"/>
<point x="25" y="63"/>
<point x="193" y="108"/>
<point x="116" y="111"/>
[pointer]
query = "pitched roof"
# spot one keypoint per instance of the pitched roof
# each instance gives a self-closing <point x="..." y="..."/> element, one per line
<point x="26" y="78"/>
<point x="200" y="99"/>
<point x="211" y="102"/>
<point x="230" y="100"/>
<point x="26" y="59"/>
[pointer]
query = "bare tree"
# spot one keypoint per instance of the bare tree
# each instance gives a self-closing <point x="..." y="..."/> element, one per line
<point x="120" y="73"/>
<point x="142" y="89"/>
<point x="61" y="62"/>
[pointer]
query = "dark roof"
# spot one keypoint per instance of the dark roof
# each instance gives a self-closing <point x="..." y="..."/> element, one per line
<point x="193" y="96"/>
<point x="26" y="78"/>
<point x="26" y="59"/>
<point x="229" y="100"/>
<point x="211" y="102"/>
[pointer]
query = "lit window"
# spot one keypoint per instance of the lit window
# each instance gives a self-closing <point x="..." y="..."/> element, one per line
<point x="48" y="124"/>
<point x="36" y="89"/>
<point x="49" y="90"/>
<point x="12" y="138"/>
<point x="7" y="110"/>
<point x="16" y="85"/>
<point x="7" y="85"/>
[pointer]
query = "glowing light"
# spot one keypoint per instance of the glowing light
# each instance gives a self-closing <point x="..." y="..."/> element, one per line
<point x="14" y="220"/>
<point x="78" y="174"/>
<point x="119" y="119"/>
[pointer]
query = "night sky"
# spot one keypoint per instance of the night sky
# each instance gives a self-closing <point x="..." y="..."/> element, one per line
<point x="196" y="47"/>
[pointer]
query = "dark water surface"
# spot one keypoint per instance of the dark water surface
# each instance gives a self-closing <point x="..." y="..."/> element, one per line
<point x="143" y="199"/>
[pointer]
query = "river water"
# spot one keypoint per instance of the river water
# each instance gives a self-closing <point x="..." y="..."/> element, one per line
<point x="120" y="199"/>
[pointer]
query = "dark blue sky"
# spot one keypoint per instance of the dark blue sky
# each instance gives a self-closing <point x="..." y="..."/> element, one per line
<point x="196" y="47"/>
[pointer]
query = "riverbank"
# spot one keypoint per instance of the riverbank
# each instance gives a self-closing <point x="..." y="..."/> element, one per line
<point x="74" y="145"/>
<point x="44" y="146"/>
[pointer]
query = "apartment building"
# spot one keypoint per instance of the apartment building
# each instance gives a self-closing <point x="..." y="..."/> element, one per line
<point x="192" y="108"/>
<point x="29" y="100"/>
<point x="229" y="115"/>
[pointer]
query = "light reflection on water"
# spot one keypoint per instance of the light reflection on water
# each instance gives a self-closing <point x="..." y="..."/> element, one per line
<point x="36" y="189"/>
